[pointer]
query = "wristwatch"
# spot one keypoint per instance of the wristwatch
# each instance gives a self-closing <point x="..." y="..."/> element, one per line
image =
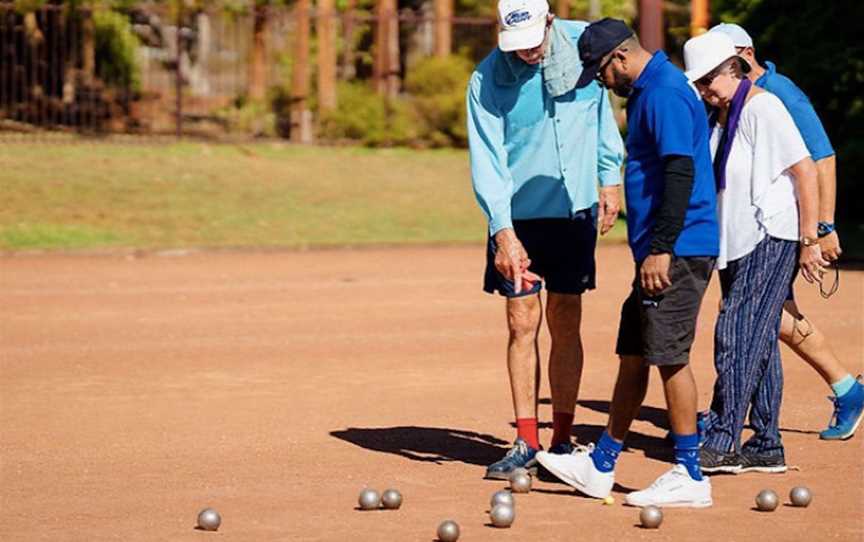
<point x="808" y="241"/>
<point x="824" y="228"/>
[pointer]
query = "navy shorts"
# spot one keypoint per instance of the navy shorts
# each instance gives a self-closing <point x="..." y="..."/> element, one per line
<point x="561" y="251"/>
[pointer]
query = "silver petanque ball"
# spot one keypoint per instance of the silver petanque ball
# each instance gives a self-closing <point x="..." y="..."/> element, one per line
<point x="369" y="499"/>
<point x="391" y="499"/>
<point x="800" y="496"/>
<point x="209" y="519"/>
<point x="520" y="483"/>
<point x="502" y="497"/>
<point x="448" y="531"/>
<point x="517" y="470"/>
<point x="651" y="517"/>
<point x="767" y="500"/>
<point x="502" y="515"/>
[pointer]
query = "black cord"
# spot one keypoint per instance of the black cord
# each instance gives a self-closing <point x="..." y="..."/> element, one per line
<point x="835" y="286"/>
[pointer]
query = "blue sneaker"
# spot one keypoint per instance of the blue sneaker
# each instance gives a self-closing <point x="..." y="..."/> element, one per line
<point x="848" y="412"/>
<point x="519" y="456"/>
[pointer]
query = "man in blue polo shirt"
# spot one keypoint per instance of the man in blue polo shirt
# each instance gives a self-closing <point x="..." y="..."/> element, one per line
<point x="796" y="330"/>
<point x="673" y="233"/>
<point x="539" y="148"/>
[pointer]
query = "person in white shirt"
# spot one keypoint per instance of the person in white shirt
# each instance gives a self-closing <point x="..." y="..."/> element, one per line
<point x="767" y="206"/>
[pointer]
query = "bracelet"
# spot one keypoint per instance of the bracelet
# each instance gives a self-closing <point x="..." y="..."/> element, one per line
<point x="824" y="229"/>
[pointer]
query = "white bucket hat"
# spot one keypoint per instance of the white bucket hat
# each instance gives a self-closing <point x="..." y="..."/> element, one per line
<point x="704" y="53"/>
<point x="523" y="24"/>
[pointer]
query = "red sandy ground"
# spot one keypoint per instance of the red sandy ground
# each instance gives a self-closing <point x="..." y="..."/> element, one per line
<point x="275" y="386"/>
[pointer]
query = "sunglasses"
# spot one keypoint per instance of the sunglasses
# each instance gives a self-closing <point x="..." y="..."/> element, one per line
<point x="599" y="75"/>
<point x="706" y="80"/>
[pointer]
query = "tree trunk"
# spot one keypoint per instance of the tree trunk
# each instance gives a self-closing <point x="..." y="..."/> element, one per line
<point x="386" y="60"/>
<point x="443" y="27"/>
<point x="651" y="24"/>
<point x="300" y="115"/>
<point x="349" y="69"/>
<point x="699" y="16"/>
<point x="88" y="45"/>
<point x="326" y="29"/>
<point x="562" y="9"/>
<point x="595" y="10"/>
<point x="257" y="87"/>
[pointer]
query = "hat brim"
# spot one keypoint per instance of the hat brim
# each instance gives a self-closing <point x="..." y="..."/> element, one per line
<point x="524" y="38"/>
<point x="589" y="74"/>
<point x="700" y="72"/>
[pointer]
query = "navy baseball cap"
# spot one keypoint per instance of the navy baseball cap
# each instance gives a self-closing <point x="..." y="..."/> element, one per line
<point x="598" y="40"/>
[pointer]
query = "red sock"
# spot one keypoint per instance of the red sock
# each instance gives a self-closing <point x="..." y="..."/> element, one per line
<point x="562" y="425"/>
<point x="526" y="429"/>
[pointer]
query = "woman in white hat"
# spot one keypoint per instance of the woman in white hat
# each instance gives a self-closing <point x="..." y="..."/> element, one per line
<point x="767" y="205"/>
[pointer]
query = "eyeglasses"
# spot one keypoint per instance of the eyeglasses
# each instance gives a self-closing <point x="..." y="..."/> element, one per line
<point x="599" y="75"/>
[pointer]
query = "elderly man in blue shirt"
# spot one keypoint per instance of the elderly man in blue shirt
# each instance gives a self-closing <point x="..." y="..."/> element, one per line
<point x="539" y="148"/>
<point x="795" y="329"/>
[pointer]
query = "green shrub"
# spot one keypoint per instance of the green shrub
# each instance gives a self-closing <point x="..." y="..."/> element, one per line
<point x="116" y="46"/>
<point x="437" y="87"/>
<point x="365" y="116"/>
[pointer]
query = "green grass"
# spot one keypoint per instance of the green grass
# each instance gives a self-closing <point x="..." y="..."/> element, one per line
<point x="199" y="195"/>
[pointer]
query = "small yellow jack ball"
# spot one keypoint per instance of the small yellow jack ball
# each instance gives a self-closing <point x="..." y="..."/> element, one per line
<point x="609" y="500"/>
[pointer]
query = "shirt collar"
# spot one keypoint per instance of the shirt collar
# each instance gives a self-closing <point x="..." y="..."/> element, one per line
<point x="658" y="59"/>
<point x="770" y="69"/>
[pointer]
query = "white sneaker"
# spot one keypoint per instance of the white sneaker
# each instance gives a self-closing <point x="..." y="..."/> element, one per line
<point x="674" y="489"/>
<point x="578" y="470"/>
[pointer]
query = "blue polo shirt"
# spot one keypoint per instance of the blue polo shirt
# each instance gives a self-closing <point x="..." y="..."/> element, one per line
<point x="800" y="108"/>
<point x="665" y="118"/>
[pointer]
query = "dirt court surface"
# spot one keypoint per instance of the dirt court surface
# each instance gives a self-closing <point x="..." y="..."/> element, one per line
<point x="135" y="391"/>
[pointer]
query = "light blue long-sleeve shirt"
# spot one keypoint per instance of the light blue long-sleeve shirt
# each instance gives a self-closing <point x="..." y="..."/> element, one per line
<point x="535" y="156"/>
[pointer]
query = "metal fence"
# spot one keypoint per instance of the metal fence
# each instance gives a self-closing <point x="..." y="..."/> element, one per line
<point x="59" y="73"/>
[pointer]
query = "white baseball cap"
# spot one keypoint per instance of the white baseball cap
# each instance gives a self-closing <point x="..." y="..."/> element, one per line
<point x="522" y="22"/>
<point x="704" y="53"/>
<point x="739" y="36"/>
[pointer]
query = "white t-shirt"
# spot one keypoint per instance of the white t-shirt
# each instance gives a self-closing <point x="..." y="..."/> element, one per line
<point x="759" y="198"/>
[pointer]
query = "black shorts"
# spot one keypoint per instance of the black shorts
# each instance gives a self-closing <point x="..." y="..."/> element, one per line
<point x="661" y="328"/>
<point x="561" y="251"/>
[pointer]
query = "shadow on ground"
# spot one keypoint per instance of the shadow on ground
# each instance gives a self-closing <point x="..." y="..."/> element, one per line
<point x="430" y="444"/>
<point x="441" y="445"/>
<point x="653" y="415"/>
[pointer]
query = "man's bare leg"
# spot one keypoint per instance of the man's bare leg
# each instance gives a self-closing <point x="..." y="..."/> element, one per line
<point x="566" y="360"/>
<point x="630" y="388"/>
<point x="810" y="344"/>
<point x="524" y="316"/>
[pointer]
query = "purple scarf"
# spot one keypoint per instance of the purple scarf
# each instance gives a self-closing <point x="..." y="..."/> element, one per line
<point x="725" y="146"/>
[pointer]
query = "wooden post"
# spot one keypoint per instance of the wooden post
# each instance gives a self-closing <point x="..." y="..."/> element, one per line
<point x="651" y="24"/>
<point x="300" y="122"/>
<point x="325" y="25"/>
<point x="443" y="27"/>
<point x="258" y="59"/>
<point x="699" y="16"/>
<point x="562" y="9"/>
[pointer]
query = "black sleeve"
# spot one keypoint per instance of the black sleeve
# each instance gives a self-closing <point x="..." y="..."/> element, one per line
<point x="678" y="175"/>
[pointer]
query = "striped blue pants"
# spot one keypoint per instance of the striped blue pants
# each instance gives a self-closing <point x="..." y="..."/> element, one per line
<point x="746" y="352"/>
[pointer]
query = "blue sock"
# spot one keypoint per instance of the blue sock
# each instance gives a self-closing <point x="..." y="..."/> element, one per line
<point x="842" y="386"/>
<point x="606" y="452"/>
<point x="687" y="453"/>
